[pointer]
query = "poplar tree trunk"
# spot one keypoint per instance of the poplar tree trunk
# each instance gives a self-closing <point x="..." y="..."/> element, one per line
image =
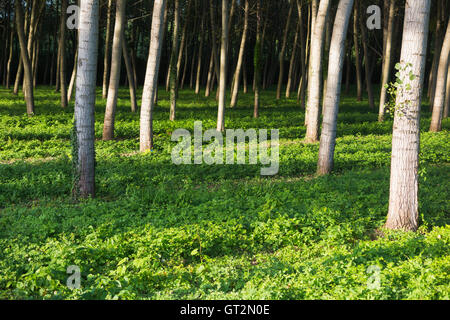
<point x="84" y="123"/>
<point x="151" y="77"/>
<point x="315" y="72"/>
<point x="437" y="50"/>
<point x="257" y="60"/>
<point x="199" y="61"/>
<point x="404" y="186"/>
<point x="447" y="94"/>
<point x="8" y="66"/>
<point x="72" y="78"/>
<point x="237" y="73"/>
<point x="130" y="75"/>
<point x="116" y="59"/>
<point x="28" y="76"/>
<point x="106" y="58"/>
<point x="293" y="61"/>
<point x="387" y="58"/>
<point x="357" y="56"/>
<point x="62" y="61"/>
<point x="333" y="91"/>
<point x="303" y="57"/>
<point x="366" y="61"/>
<point x="441" y="79"/>
<point x="282" y="51"/>
<point x="223" y="68"/>
<point x="173" y="74"/>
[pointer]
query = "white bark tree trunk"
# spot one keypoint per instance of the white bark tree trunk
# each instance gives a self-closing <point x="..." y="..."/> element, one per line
<point x="151" y="76"/>
<point x="404" y="186"/>
<point x="116" y="60"/>
<point x="333" y="91"/>
<point x="84" y="130"/>
<point x="223" y="68"/>
<point x="441" y="79"/>
<point x="315" y="72"/>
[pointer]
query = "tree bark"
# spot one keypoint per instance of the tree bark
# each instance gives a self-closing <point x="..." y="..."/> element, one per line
<point x="404" y="186"/>
<point x="151" y="76"/>
<point x="357" y="55"/>
<point x="333" y="91"/>
<point x="62" y="61"/>
<point x="116" y="59"/>
<point x="282" y="51"/>
<point x="106" y="58"/>
<point x="257" y="60"/>
<point x="441" y="79"/>
<point x="84" y="123"/>
<point x="173" y="74"/>
<point x="130" y="76"/>
<point x="368" y="73"/>
<point x="223" y="68"/>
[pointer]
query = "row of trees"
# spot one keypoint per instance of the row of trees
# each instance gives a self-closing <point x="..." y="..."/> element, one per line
<point x="297" y="45"/>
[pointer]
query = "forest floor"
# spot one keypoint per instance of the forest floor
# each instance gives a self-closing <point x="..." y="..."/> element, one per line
<point x="161" y="231"/>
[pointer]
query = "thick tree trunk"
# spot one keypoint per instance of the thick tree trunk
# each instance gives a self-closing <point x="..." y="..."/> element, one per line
<point x="403" y="195"/>
<point x="223" y="68"/>
<point x="106" y="58"/>
<point x="387" y="58"/>
<point x="237" y="73"/>
<point x="28" y="77"/>
<point x="441" y="79"/>
<point x="333" y="91"/>
<point x="84" y="123"/>
<point x="151" y="76"/>
<point x="116" y="60"/>
<point x="315" y="72"/>
<point x="447" y="94"/>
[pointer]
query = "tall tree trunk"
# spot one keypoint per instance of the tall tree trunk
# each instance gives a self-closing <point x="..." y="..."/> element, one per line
<point x="62" y="61"/>
<point x="130" y="76"/>
<point x="106" y="58"/>
<point x="441" y="79"/>
<point x="315" y="72"/>
<point x="282" y="51"/>
<point x="357" y="55"/>
<point x="437" y="50"/>
<point x="237" y="73"/>
<point x="368" y="73"/>
<point x="72" y="78"/>
<point x="84" y="123"/>
<point x="303" y="55"/>
<point x="293" y="61"/>
<point x="151" y="76"/>
<point x="447" y="94"/>
<point x="333" y="91"/>
<point x="173" y="62"/>
<point x="116" y="59"/>
<point x="387" y="58"/>
<point x="404" y="186"/>
<point x="223" y="68"/>
<point x="8" y="66"/>
<point x="199" y="57"/>
<point x="257" y="59"/>
<point x="28" y="88"/>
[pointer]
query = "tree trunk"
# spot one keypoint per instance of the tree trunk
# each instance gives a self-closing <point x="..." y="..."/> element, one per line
<point x="333" y="91"/>
<point x="62" y="61"/>
<point x="315" y="72"/>
<point x="368" y="73"/>
<point x="106" y="58"/>
<point x="72" y="78"/>
<point x="447" y="94"/>
<point x="28" y="88"/>
<point x="403" y="195"/>
<point x="437" y="50"/>
<point x="237" y="73"/>
<point x="173" y="74"/>
<point x="116" y="59"/>
<point x="223" y="68"/>
<point x="293" y="61"/>
<point x="357" y="59"/>
<point x="282" y="51"/>
<point x="441" y="79"/>
<point x="199" y="57"/>
<point x="387" y="58"/>
<point x="257" y="60"/>
<point x="130" y="76"/>
<point x="84" y="123"/>
<point x="8" y="66"/>
<point x="151" y="76"/>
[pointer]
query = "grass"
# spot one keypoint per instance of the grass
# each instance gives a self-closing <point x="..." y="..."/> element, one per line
<point x="160" y="231"/>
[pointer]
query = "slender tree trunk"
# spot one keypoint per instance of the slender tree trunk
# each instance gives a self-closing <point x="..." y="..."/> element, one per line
<point x="28" y="88"/>
<point x="357" y="56"/>
<point x="315" y="72"/>
<point x="116" y="59"/>
<point x="62" y="67"/>
<point x="72" y="78"/>
<point x="437" y="50"/>
<point x="257" y="60"/>
<point x="130" y="76"/>
<point x="404" y="186"/>
<point x="151" y="76"/>
<point x="293" y="61"/>
<point x="106" y="58"/>
<point x="84" y="123"/>
<point x="173" y="62"/>
<point x="333" y="91"/>
<point x="282" y="52"/>
<point x="441" y="79"/>
<point x="303" y="56"/>
<point x="199" y="57"/>
<point x="223" y="68"/>
<point x="237" y="73"/>
<point x="387" y="58"/>
<point x="366" y="61"/>
<point x="8" y="66"/>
